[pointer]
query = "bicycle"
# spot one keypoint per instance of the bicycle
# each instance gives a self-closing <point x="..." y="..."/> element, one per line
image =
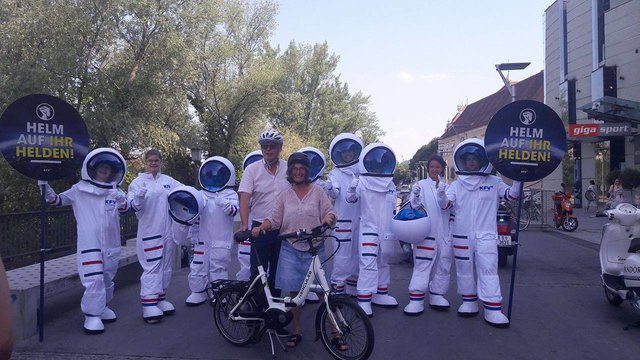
<point x="240" y="319"/>
<point x="525" y="218"/>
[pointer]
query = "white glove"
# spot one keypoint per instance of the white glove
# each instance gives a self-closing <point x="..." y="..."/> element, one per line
<point x="49" y="193"/>
<point x="354" y="184"/>
<point x="119" y="196"/>
<point x="514" y="192"/>
<point x="415" y="198"/>
<point x="441" y="192"/>
<point x="325" y="185"/>
<point x="141" y="193"/>
<point x="416" y="190"/>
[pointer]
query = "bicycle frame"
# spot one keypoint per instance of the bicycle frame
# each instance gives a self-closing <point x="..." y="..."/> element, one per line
<point x="285" y="303"/>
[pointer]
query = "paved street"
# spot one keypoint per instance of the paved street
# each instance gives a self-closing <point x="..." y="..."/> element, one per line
<point x="559" y="312"/>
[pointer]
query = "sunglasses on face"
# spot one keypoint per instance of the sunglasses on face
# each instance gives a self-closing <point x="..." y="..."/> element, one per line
<point x="269" y="146"/>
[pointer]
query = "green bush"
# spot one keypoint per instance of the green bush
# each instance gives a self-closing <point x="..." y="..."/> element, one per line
<point x="630" y="178"/>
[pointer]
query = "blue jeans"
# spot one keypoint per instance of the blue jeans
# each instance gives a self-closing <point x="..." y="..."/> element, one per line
<point x="266" y="251"/>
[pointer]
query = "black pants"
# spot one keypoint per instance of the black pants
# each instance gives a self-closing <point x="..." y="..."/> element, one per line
<point x="267" y="249"/>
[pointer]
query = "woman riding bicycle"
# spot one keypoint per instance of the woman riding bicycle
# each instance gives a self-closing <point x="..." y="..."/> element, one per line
<point x="301" y="205"/>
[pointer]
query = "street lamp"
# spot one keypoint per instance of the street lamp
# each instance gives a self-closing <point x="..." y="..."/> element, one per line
<point x="507" y="67"/>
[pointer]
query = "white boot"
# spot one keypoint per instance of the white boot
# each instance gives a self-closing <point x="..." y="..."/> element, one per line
<point x="468" y="308"/>
<point x="108" y="315"/>
<point x="496" y="318"/>
<point x="366" y="306"/>
<point x="384" y="300"/>
<point x="414" y="308"/>
<point x="152" y="314"/>
<point x="93" y="325"/>
<point x="438" y="302"/>
<point x="196" y="298"/>
<point x="166" y="307"/>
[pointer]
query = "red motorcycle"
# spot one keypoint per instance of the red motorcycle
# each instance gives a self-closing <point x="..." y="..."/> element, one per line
<point x="563" y="212"/>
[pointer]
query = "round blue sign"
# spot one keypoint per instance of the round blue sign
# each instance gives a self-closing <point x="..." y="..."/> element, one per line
<point x="43" y="137"/>
<point x="525" y="140"/>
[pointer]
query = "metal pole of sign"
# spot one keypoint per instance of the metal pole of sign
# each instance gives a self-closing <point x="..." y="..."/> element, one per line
<point x="43" y="250"/>
<point x="515" y="251"/>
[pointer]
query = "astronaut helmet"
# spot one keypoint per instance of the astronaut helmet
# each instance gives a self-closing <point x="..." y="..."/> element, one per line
<point x="216" y="173"/>
<point x="185" y="204"/>
<point x="411" y="225"/>
<point x="470" y="158"/>
<point x="104" y="167"/>
<point x="251" y="157"/>
<point x="377" y="159"/>
<point x="317" y="162"/>
<point x="345" y="149"/>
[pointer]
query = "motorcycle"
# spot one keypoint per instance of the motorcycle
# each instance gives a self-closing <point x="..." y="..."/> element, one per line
<point x="506" y="234"/>
<point x="563" y="212"/>
<point x="620" y="256"/>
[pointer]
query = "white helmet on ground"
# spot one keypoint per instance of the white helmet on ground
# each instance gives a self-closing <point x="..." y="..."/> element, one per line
<point x="411" y="225"/>
<point x="185" y="204"/>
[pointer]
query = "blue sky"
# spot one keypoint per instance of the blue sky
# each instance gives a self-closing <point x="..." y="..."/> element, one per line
<point x="418" y="60"/>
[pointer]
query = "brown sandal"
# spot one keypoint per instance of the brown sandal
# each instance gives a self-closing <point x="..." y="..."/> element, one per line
<point x="294" y="340"/>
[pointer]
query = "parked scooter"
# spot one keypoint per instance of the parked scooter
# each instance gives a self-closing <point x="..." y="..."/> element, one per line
<point x="563" y="212"/>
<point x="620" y="255"/>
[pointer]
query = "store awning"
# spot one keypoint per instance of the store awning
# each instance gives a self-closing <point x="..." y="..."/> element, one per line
<point x="614" y="109"/>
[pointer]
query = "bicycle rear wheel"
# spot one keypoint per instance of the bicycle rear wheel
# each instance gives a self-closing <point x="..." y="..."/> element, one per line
<point x="357" y="331"/>
<point x="525" y="218"/>
<point x="237" y="332"/>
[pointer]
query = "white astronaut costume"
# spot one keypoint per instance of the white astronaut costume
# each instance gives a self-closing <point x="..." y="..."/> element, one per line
<point x="376" y="193"/>
<point x="154" y="242"/>
<point x="425" y="252"/>
<point x="244" y="247"/>
<point x="475" y="196"/>
<point x="345" y="151"/>
<point x="213" y="231"/>
<point x="96" y="204"/>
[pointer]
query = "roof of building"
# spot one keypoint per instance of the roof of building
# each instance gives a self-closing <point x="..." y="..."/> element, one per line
<point x="480" y="112"/>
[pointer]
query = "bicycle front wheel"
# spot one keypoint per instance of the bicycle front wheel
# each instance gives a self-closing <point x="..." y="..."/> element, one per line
<point x="357" y="338"/>
<point x="525" y="219"/>
<point x="237" y="332"/>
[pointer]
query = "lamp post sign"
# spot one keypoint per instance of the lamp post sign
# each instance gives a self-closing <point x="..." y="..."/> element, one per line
<point x="525" y="140"/>
<point x="43" y="137"/>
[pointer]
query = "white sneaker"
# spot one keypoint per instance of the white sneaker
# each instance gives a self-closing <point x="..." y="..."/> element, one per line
<point x="366" y="306"/>
<point x="496" y="318"/>
<point x="438" y="302"/>
<point x="312" y="298"/>
<point x="196" y="298"/>
<point x="414" y="308"/>
<point x="384" y="300"/>
<point x="166" y="307"/>
<point x="152" y="314"/>
<point x="108" y="315"/>
<point x="468" y="308"/>
<point x="93" y="325"/>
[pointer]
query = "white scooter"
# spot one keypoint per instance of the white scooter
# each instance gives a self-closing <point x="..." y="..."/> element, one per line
<point x="620" y="256"/>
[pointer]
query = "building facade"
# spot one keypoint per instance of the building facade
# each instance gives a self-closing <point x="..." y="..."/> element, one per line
<point x="592" y="80"/>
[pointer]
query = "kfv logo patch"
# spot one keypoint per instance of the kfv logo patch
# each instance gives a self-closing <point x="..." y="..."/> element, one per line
<point x="166" y="186"/>
<point x="485" y="188"/>
<point x="110" y="202"/>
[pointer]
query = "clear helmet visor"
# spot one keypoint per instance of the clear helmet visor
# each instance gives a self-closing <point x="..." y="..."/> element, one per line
<point x="316" y="164"/>
<point x="214" y="176"/>
<point x="183" y="206"/>
<point x="106" y="168"/>
<point x="346" y="152"/>
<point x="471" y="158"/>
<point x="379" y="160"/>
<point x="407" y="213"/>
<point x="251" y="159"/>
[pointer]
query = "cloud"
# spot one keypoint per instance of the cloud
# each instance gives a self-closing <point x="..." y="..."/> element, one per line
<point x="405" y="76"/>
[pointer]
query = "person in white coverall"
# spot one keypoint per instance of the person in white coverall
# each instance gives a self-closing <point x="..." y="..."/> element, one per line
<point x="475" y="197"/>
<point x="432" y="246"/>
<point x="154" y="242"/>
<point x="376" y="193"/>
<point x="213" y="231"/>
<point x="244" y="247"/>
<point x="96" y="203"/>
<point x="344" y="152"/>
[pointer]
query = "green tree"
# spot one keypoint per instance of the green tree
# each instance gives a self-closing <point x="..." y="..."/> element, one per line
<point x="424" y="152"/>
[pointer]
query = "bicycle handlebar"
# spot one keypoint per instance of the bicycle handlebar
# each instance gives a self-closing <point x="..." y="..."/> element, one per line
<point x="302" y="234"/>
